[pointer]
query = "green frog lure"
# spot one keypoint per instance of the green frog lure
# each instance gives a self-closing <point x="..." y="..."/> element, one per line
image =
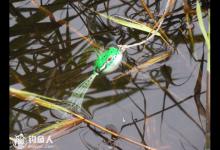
<point x="107" y="62"/>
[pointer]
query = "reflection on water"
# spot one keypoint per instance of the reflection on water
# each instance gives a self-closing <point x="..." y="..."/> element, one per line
<point x="163" y="106"/>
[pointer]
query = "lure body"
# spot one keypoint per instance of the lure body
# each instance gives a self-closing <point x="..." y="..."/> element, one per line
<point x="108" y="61"/>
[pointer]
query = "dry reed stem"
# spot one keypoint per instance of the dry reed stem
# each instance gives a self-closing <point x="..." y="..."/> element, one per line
<point x="24" y="96"/>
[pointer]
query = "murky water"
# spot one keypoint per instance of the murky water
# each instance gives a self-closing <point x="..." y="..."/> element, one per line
<point x="50" y="58"/>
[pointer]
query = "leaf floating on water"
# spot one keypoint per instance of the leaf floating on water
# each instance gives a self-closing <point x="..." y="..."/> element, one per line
<point x="130" y="23"/>
<point x="198" y="88"/>
<point x="146" y="64"/>
<point x="58" y="126"/>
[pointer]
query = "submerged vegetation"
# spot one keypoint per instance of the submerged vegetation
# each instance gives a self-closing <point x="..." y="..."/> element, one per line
<point x="61" y="56"/>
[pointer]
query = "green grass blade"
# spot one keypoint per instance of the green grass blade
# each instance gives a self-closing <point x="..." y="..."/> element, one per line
<point x="205" y="34"/>
<point x="58" y="125"/>
<point x="201" y="24"/>
<point x="28" y="96"/>
<point x="130" y="23"/>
